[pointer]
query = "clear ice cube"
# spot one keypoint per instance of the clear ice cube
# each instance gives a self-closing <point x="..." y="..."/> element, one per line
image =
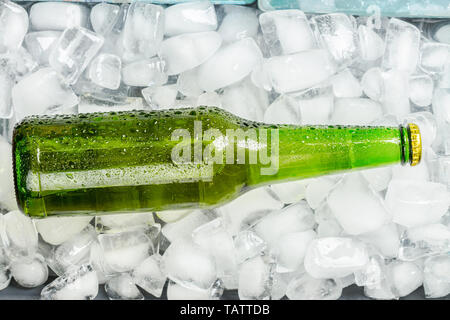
<point x="105" y="71"/>
<point x="122" y="287"/>
<point x="248" y="245"/>
<point x="436" y="280"/>
<point x="255" y="281"/>
<point x="149" y="276"/>
<point x="103" y="17"/>
<point x="58" y="15"/>
<point x="40" y="44"/>
<point x="239" y="22"/>
<point x="290" y="250"/>
<point x="18" y="234"/>
<point x="421" y="90"/>
<point x="434" y="57"/>
<point x="144" y="73"/>
<point x="56" y="230"/>
<point x="13" y="25"/>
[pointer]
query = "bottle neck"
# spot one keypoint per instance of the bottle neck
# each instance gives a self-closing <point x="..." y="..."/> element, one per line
<point x="310" y="151"/>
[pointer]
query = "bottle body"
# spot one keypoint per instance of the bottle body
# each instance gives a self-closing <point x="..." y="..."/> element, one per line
<point x="175" y="159"/>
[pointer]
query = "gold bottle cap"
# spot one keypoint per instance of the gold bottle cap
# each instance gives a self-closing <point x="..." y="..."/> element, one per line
<point x="416" y="144"/>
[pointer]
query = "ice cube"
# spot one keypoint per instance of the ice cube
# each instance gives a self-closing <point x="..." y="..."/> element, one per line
<point x="305" y="287"/>
<point x="148" y="275"/>
<point x="372" y="274"/>
<point x="13" y="25"/>
<point x="5" y="276"/>
<point x="436" y="280"/>
<point x="281" y="281"/>
<point x="356" y="111"/>
<point x="245" y="100"/>
<point x="434" y="56"/>
<point x="316" y="105"/>
<point x="248" y="245"/>
<point x="18" y="64"/>
<point x="424" y="241"/>
<point x="29" y="272"/>
<point x="372" y="83"/>
<point x="286" y="31"/>
<point x="371" y="44"/>
<point x="229" y="64"/>
<point x="378" y="178"/>
<point x="7" y="193"/>
<point x="290" y="249"/>
<point x="395" y="96"/>
<point x="255" y="279"/>
<point x="402" y="46"/>
<point x="105" y="71"/>
<point x="214" y="239"/>
<point x="172" y="215"/>
<point x="73" y="51"/>
<point x="18" y="235"/>
<point x="77" y="284"/>
<point x="299" y="71"/>
<point x="143" y="73"/>
<point x="416" y="203"/>
<point x="122" y="287"/>
<point x="58" y="15"/>
<point x="182" y="228"/>
<point x="73" y="252"/>
<point x="356" y="207"/>
<point x="239" y="22"/>
<point x="189" y="265"/>
<point x="386" y="239"/>
<point x="126" y="250"/>
<point x="406" y="277"/>
<point x="143" y="31"/>
<point x="28" y="99"/>
<point x="419" y="172"/>
<point x="335" y="257"/>
<point x="337" y="33"/>
<point x="103" y="17"/>
<point x="284" y="110"/>
<point x="211" y="99"/>
<point x="123" y="222"/>
<point x="290" y="192"/>
<point x="187" y="51"/>
<point x="318" y="190"/>
<point x="178" y="292"/>
<point x="345" y="85"/>
<point x="293" y="218"/>
<point x="56" y="230"/>
<point x="190" y="17"/>
<point x="40" y="44"/>
<point x="421" y="90"/>
<point x="187" y="83"/>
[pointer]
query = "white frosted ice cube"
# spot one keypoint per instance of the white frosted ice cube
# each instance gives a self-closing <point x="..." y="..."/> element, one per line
<point x="103" y="17"/>
<point x="196" y="16"/>
<point x="402" y="46"/>
<point x="18" y="234"/>
<point x="290" y="192"/>
<point x="337" y="33"/>
<point x="356" y="111"/>
<point x="160" y="97"/>
<point x="357" y="208"/>
<point x="345" y="85"/>
<point x="293" y="218"/>
<point x="405" y="276"/>
<point x="318" y="190"/>
<point x="40" y="44"/>
<point x="29" y="272"/>
<point x="229" y="64"/>
<point x="58" y="15"/>
<point x="415" y="203"/>
<point x="182" y="228"/>
<point x="386" y="239"/>
<point x="371" y="44"/>
<point x="28" y="99"/>
<point x="122" y="287"/>
<point x="434" y="56"/>
<point x="13" y="25"/>
<point x="305" y="287"/>
<point x="335" y="257"/>
<point x="378" y="178"/>
<point x="105" y="71"/>
<point x="421" y="90"/>
<point x="187" y="51"/>
<point x="248" y="245"/>
<point x="395" y="97"/>
<point x="143" y="31"/>
<point x="290" y="250"/>
<point x="254" y="279"/>
<point x="211" y="99"/>
<point x="286" y="31"/>
<point x="239" y="22"/>
<point x="187" y="83"/>
<point x="148" y="275"/>
<point x="123" y="222"/>
<point x="126" y="250"/>
<point x="73" y="51"/>
<point x="56" y="230"/>
<point x="436" y="280"/>
<point x="143" y="73"/>
<point x="299" y="71"/>
<point x="284" y="110"/>
<point x="189" y="265"/>
<point x="316" y="105"/>
<point x="372" y="83"/>
<point x="7" y="193"/>
<point x="6" y="84"/>
<point x="79" y="283"/>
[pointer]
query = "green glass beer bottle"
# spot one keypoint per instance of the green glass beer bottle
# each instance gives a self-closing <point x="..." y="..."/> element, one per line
<point x="182" y="158"/>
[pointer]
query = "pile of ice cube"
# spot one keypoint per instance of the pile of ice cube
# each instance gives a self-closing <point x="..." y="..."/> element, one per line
<point x="386" y="230"/>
